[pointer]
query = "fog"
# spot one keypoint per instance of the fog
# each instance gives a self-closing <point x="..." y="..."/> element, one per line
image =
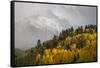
<point x="35" y="21"/>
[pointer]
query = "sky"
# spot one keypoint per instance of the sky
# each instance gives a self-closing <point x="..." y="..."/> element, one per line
<point x="35" y="21"/>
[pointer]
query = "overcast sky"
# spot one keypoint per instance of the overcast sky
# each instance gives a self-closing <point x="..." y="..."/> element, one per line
<point x="35" y="21"/>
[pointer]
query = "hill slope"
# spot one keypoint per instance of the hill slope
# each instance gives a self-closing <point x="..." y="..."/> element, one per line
<point x="70" y="46"/>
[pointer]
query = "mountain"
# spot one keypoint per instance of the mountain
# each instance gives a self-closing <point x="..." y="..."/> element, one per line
<point x="18" y="52"/>
<point x="71" y="46"/>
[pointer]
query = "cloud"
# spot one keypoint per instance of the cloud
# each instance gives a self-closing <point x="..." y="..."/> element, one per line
<point x="42" y="21"/>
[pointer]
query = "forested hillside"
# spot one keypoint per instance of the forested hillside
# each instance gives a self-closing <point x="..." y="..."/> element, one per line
<point x="71" y="46"/>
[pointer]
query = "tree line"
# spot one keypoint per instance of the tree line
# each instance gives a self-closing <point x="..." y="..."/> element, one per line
<point x="71" y="46"/>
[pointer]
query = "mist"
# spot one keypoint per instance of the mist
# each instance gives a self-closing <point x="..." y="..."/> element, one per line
<point x="35" y="21"/>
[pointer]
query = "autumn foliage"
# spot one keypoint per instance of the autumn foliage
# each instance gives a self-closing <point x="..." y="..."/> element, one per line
<point x="71" y="46"/>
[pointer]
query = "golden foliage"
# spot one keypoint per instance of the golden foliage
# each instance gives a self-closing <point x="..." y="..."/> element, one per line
<point x="78" y="47"/>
